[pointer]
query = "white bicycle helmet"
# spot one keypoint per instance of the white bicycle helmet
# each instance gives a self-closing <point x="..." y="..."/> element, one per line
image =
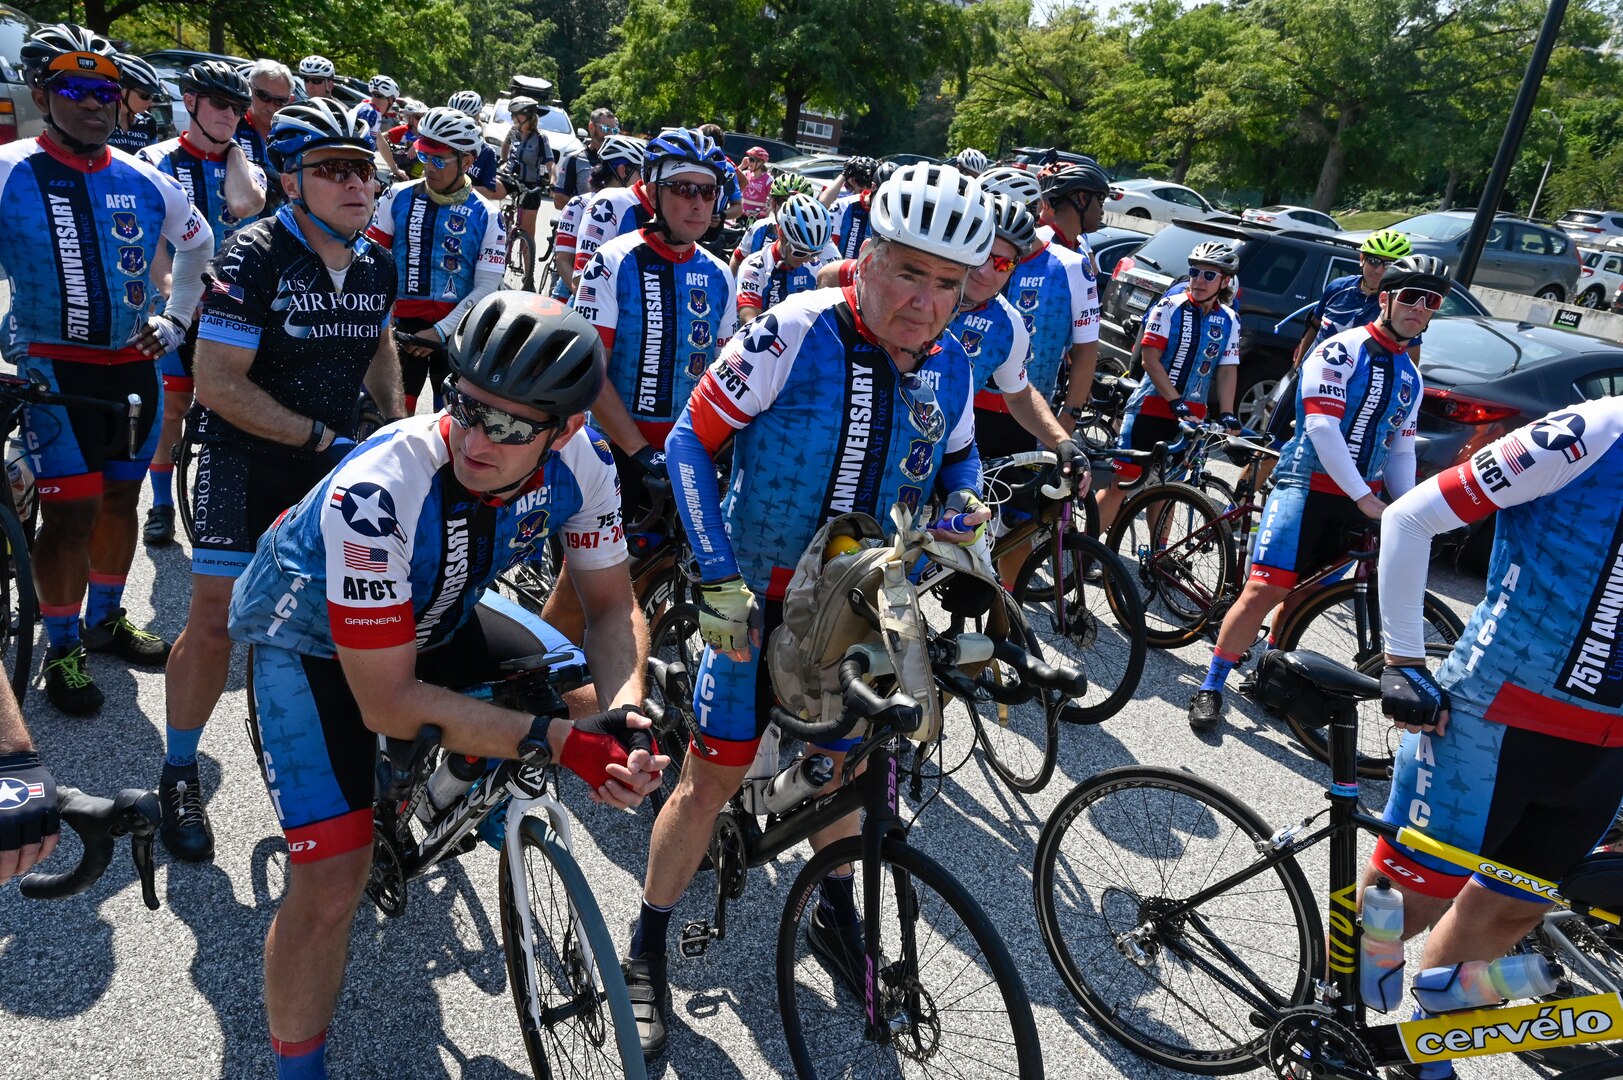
<point x="621" y="148"/>
<point x="412" y="107"/>
<point x="1019" y="185"/>
<point x="1217" y="254"/>
<point x="803" y="225"/>
<point x="972" y="161"/>
<point x="383" y="86"/>
<point x="937" y="210"/>
<point x="450" y="128"/>
<point x="316" y="67"/>
<point x="466" y="101"/>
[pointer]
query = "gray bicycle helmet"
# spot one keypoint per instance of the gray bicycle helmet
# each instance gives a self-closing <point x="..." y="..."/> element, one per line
<point x="1017" y="184"/>
<point x="138" y="74"/>
<point x="1416" y="272"/>
<point x="1217" y="254"/>
<point x="1014" y="223"/>
<point x="530" y="349"/>
<point x="521" y="104"/>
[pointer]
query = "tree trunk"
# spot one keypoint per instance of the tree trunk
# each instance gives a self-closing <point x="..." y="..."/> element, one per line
<point x="1335" y="162"/>
<point x="793" y="99"/>
<point x="216" y="30"/>
<point x="1450" y="188"/>
<point x="96" y="17"/>
<point x="1186" y="151"/>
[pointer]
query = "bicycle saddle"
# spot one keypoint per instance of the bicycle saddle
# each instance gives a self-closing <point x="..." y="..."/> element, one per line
<point x="1596" y="881"/>
<point x="1330" y="677"/>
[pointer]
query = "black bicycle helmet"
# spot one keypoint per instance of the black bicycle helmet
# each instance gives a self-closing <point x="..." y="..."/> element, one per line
<point x="1085" y="175"/>
<point x="861" y="171"/>
<point x="137" y="74"/>
<point x="216" y="77"/>
<point x="1416" y="272"/>
<point x="532" y="350"/>
<point x="886" y="170"/>
<point x="67" y="49"/>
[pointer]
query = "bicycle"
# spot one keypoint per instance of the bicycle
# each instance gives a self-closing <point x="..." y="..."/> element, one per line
<point x="100" y="822"/>
<point x="520" y="271"/>
<point x="1185" y="927"/>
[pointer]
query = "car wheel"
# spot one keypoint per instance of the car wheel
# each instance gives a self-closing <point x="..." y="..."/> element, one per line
<point x="1251" y="398"/>
<point x="1592" y="298"/>
<point x="1551" y="292"/>
<point x="1138" y="212"/>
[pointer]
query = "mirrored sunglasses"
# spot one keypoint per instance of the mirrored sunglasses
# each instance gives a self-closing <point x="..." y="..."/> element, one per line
<point x="439" y="156"/>
<point x="1003" y="264"/>
<point x="340" y="170"/>
<point x="1413" y="297"/>
<point x="74" y="89"/>
<point x="687" y="189"/>
<point x="502" y="428"/>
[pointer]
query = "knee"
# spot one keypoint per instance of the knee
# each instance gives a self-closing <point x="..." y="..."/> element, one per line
<point x="322" y="897"/>
<point x="705" y="789"/>
<point x="208" y="618"/>
<point x="69" y="522"/>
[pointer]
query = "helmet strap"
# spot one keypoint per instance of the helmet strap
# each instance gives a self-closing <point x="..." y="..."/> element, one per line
<point x="347" y="241"/>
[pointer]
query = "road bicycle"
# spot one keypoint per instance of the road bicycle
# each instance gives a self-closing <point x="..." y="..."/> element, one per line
<point x="1185" y="927"/>
<point x="521" y="255"/>
<point x="100" y="823"/>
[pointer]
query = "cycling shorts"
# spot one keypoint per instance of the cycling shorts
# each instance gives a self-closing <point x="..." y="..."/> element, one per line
<point x="176" y="365"/>
<point x="1302" y="531"/>
<point x="415" y="369"/>
<point x="73" y="452"/>
<point x="1523" y="800"/>
<point x="1282" y="410"/>
<point x="238" y="491"/>
<point x="997" y="434"/>
<point x="1140" y="432"/>
<point x="318" y="757"/>
<point x="531" y="200"/>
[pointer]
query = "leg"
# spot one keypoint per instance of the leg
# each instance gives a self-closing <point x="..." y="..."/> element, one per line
<point x="193" y="683"/>
<point x="1239" y="630"/>
<point x="177" y="399"/>
<point x="61" y="570"/>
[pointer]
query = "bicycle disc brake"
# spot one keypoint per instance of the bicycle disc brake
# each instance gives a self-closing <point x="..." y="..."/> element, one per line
<point x="386" y="883"/>
<point x="1308" y="1043"/>
<point x="910" y="1012"/>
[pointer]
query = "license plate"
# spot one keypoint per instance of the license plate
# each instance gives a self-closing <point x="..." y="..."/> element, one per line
<point x="1138" y="299"/>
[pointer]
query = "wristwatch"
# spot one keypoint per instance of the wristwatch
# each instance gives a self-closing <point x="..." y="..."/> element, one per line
<point x="1076" y="412"/>
<point x="317" y="430"/>
<point x="534" y="749"/>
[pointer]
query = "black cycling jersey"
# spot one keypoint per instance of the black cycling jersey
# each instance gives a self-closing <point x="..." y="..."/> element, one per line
<point x="143" y="131"/>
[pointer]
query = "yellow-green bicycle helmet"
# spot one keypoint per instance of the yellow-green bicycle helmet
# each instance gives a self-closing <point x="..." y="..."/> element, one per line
<point x="1386" y="244"/>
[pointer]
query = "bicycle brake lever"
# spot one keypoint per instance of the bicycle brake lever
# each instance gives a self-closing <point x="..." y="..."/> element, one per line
<point x="145" y="869"/>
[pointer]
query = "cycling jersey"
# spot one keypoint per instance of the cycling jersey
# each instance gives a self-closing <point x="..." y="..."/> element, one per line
<point x="403" y="145"/>
<point x="527" y="159"/>
<point x="764" y="280"/>
<point x="822" y="424"/>
<point x="610" y="213"/>
<point x="313" y="332"/>
<point x="373" y="119"/>
<point x="575" y="173"/>
<point x="1360" y="394"/>
<point x="1345" y="305"/>
<point x="758" y="236"/>
<point x="1193" y="344"/>
<point x="202" y="177"/>
<point x="391" y="549"/>
<point x="483" y="172"/>
<point x="851" y="226"/>
<point x="754" y="193"/>
<point x="568" y="232"/>
<point x="142" y="132"/>
<point x="995" y="340"/>
<point x="663" y="318"/>
<point x="1057" y="295"/>
<point x="438" y="248"/>
<point x="253" y="144"/>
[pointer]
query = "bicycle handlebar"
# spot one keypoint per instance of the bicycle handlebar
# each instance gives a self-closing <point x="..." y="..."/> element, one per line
<point x="99" y="823"/>
<point x="32" y="393"/>
<point x="898" y="712"/>
<point x="660" y="505"/>
<point x="434" y="349"/>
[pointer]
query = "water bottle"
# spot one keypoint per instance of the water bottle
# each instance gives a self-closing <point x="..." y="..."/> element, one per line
<point x="1381" y="961"/>
<point x="761" y="772"/>
<point x="799" y="782"/>
<point x="456" y="774"/>
<point x="1477" y="983"/>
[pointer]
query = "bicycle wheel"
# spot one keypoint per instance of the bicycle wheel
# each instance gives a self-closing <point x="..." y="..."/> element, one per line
<point x="1180" y="554"/>
<point x="1021" y="740"/>
<point x="951" y="1001"/>
<point x="1589" y="955"/>
<point x="571" y="997"/>
<point x="520" y="259"/>
<point x="1377" y="740"/>
<point x="674" y="638"/>
<point x="1103" y="634"/>
<point x="18" y="604"/>
<point x="1605" y="1068"/>
<point x="1328" y="622"/>
<point x="1179" y="987"/>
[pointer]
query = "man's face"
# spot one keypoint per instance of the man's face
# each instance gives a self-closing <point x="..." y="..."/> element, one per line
<point x="481" y="465"/>
<point x="598" y="131"/>
<point x="1372" y="269"/>
<point x="345" y="204"/>
<point x="274" y="87"/>
<point x="89" y="120"/>
<point x="908" y="296"/>
<point x="688" y="215"/>
<point x="986" y="280"/>
<point x="318" y="86"/>
<point x="441" y="177"/>
<point x="1408" y="320"/>
<point x="216" y="115"/>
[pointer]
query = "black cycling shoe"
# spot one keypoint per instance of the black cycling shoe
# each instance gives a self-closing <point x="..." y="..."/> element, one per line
<point x="650" y="995"/>
<point x="1205" y="710"/>
<point x="160" y="526"/>
<point x="117" y="635"/>
<point x="68" y="683"/>
<point x="185" y="830"/>
<point x="840" y="948"/>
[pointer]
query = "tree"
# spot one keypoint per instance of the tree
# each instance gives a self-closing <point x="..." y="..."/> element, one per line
<point x="581" y="32"/>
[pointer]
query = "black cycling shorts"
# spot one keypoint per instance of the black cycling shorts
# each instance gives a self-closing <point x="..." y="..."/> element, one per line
<point x="531" y="200"/>
<point x="1282" y="418"/>
<point x="414" y="369"/>
<point x="1302" y="531"/>
<point x="997" y="434"/>
<point x="74" y="450"/>
<point x="238" y="492"/>
<point x="1140" y="432"/>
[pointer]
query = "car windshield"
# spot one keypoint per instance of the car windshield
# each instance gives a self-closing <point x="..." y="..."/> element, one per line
<point x="1465" y="351"/>
<point x="1579" y="217"/>
<point x="14" y="30"/>
<point x="555" y="120"/>
<point x="1435" y="226"/>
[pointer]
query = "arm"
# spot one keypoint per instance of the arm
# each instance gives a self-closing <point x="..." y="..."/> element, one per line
<point x="1084" y="362"/>
<point x="1227" y="377"/>
<point x="387" y="155"/>
<point x="28" y="832"/>
<point x="831" y="194"/>
<point x="616" y="636"/>
<point x="14" y="736"/>
<point x="1324" y="403"/>
<point x="1308" y="337"/>
<point x="223" y="386"/>
<point x="244" y="187"/>
<point x="1150" y="357"/>
<point x="382" y="379"/>
<point x="615" y="421"/>
<point x="1031" y="411"/>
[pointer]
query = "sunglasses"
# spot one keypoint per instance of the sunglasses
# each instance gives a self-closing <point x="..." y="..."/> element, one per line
<point x="501" y="428"/>
<point x="610" y="130"/>
<point x="142" y="94"/>
<point x="687" y="189"/>
<point x="1197" y="273"/>
<point x="73" y="89"/>
<point x="1003" y="264"/>
<point x="438" y="159"/>
<point x="225" y="104"/>
<point x="270" y="99"/>
<point x="1415" y="297"/>
<point x="308" y="79"/>
<point x="1378" y="264"/>
<point x="341" y="170"/>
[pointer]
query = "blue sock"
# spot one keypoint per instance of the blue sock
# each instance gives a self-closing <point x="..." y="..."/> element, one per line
<point x="1218" y="673"/>
<point x="839" y="898"/>
<point x="648" y="939"/>
<point x="104" y="598"/>
<point x="163" y="485"/>
<point x="301" y="1061"/>
<point x="62" y="631"/>
<point x="182" y="746"/>
<point x="1432" y="1070"/>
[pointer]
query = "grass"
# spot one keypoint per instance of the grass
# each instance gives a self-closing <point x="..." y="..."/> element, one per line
<point x="1372" y="219"/>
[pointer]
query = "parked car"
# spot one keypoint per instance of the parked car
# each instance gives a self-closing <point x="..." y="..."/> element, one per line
<point x="1486" y="377"/>
<point x="1602" y="275"/>
<point x="1111" y="244"/>
<point x="1035" y="157"/>
<point x="1591" y="226"/>
<point x="820" y="169"/>
<point x="912" y="159"/>
<point x="1294" y="217"/>
<point x="1159" y="200"/>
<point x="19" y="119"/>
<point x="1519" y="256"/>
<point x="735" y="143"/>
<point x="1282" y="276"/>
<point x="553" y="122"/>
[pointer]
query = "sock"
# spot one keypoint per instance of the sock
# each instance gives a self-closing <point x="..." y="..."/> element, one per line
<point x="61" y="625"/>
<point x="1218" y="673"/>
<point x="182" y="746"/>
<point x="411" y="404"/>
<point x="106" y="596"/>
<point x="305" y="1060"/>
<point x="163" y="484"/>
<point x="648" y="939"/>
<point x="839" y="898"/>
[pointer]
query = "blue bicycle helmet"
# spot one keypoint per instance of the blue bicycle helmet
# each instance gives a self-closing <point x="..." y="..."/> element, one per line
<point x="678" y="149"/>
<point x="804" y="225"/>
<point x="311" y="125"/>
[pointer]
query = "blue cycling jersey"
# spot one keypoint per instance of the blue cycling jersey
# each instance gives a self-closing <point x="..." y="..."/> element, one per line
<point x="485" y="167"/>
<point x="663" y="317"/>
<point x="764" y="280"/>
<point x="760" y="234"/>
<point x="78" y="248"/>
<point x="1345" y="305"/>
<point x="851" y="225"/>
<point x="608" y="214"/>
<point x="1193" y="344"/>
<point x="202" y="177"/>
<point x="438" y="247"/>
<point x="1057" y="295"/>
<point x="391" y="549"/>
<point x="822" y="424"/>
<point x="994" y="338"/>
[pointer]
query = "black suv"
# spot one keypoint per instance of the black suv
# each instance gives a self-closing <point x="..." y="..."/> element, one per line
<point x="1283" y="273"/>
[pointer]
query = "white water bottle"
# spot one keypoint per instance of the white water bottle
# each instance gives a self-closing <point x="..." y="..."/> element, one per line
<point x="455" y="775"/>
<point x="799" y="782"/>
<point x="1380" y="979"/>
<point x="761" y="772"/>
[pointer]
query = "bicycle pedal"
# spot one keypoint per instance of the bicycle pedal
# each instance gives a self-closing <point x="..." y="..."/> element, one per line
<point x="696" y="938"/>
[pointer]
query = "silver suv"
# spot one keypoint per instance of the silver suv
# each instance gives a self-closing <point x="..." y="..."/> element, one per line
<point x="19" y="119"/>
<point x="1519" y="256"/>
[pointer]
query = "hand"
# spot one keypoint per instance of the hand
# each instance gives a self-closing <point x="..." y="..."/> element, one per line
<point x="615" y="753"/>
<point x="1231" y="422"/>
<point x="338" y="450"/>
<point x="1372" y="506"/>
<point x="652" y="462"/>
<point x="28" y="816"/>
<point x="728" y="618"/>
<point x="430" y="337"/>
<point x="963" y="521"/>
<point x="1180" y="409"/>
<point x="1412" y="698"/>
<point x="1074" y="466"/>
<point x="159" y="336"/>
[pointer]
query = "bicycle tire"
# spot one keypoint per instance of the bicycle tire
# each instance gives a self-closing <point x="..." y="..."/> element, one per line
<point x="1021" y="741"/>
<point x="823" y="1019"/>
<point x="1107" y="638"/>
<point x="586" y="1033"/>
<point x="1589" y="956"/>
<point x="1326" y="622"/>
<point x="675" y="636"/>
<point x="1127" y="831"/>
<point x="20" y="604"/>
<point x="520" y="259"/>
<point x="1183" y="561"/>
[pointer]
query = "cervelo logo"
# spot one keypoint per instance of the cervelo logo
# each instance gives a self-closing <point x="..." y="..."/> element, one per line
<point x="1522" y="881"/>
<point x="1527" y="1027"/>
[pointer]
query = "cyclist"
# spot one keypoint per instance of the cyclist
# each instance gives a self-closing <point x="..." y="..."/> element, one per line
<point x="28" y="818"/>
<point x="360" y="606"/>
<point x="618" y="211"/>
<point x="970" y="161"/>
<point x="575" y="171"/>
<point x="295" y="319"/>
<point x="1356" y="416"/>
<point x="527" y="160"/>
<point x="1190" y="349"/>
<point x="448" y="244"/>
<point x="851" y="214"/>
<point x="731" y="203"/>
<point x="402" y="138"/>
<point x="790" y="263"/>
<point x="1520" y="725"/>
<point x="319" y="76"/>
<point x="765" y="229"/>
<point x="137" y="126"/>
<point x="272" y="86"/>
<point x="755" y="181"/>
<point x="229" y="191"/>
<point x="88" y="324"/>
<point x="619" y="162"/>
<point x="486" y="170"/>
<point x="374" y="113"/>
<point x="893" y="423"/>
